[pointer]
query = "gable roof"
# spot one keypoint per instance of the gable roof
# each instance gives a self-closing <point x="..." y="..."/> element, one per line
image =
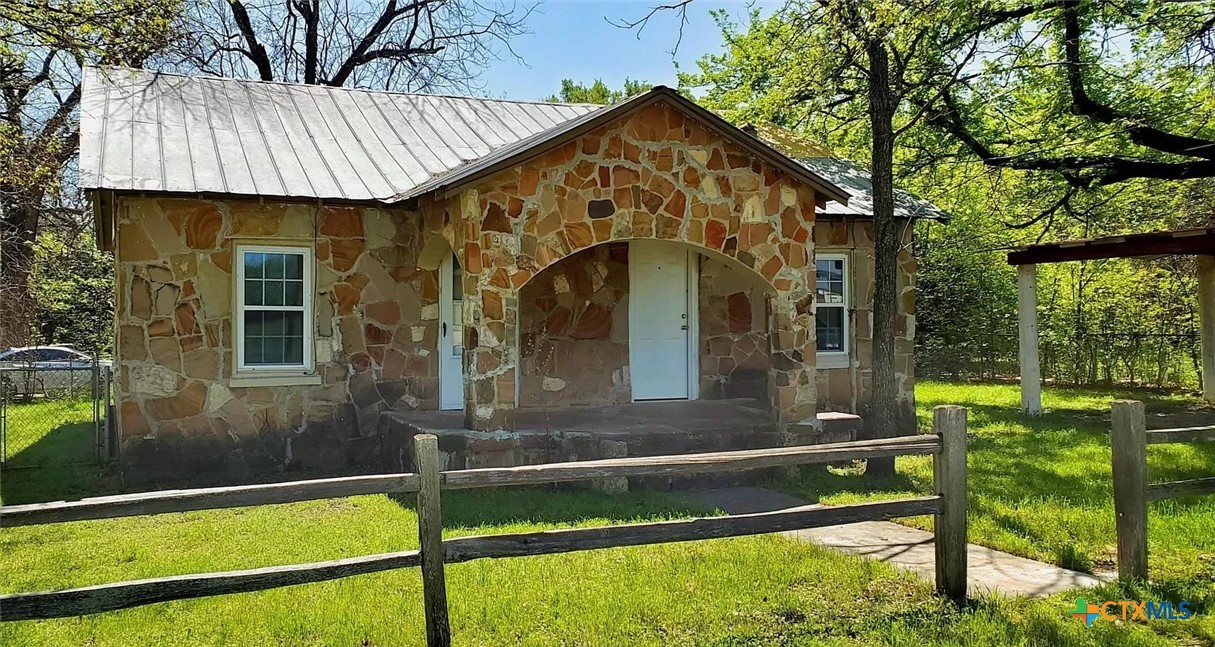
<point x="508" y="156"/>
<point x="152" y="131"/>
<point x="159" y="132"/>
<point x="850" y="176"/>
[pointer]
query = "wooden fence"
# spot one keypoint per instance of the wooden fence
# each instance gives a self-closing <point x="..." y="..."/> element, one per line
<point x="948" y="503"/>
<point x="1132" y="490"/>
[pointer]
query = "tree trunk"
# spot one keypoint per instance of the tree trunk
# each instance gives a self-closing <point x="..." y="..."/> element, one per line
<point x="883" y="413"/>
<point x="18" y="229"/>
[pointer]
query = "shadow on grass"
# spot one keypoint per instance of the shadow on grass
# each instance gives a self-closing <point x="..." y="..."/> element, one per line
<point x="556" y="506"/>
<point x="58" y="465"/>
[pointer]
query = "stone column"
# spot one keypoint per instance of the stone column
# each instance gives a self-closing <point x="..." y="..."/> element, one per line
<point x="1206" y="324"/>
<point x="1027" y="326"/>
<point x="791" y="385"/>
<point x="491" y="357"/>
<point x="491" y="321"/>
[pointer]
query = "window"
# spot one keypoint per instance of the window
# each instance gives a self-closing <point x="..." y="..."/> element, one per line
<point x="274" y="309"/>
<point x="831" y="311"/>
<point x="55" y="355"/>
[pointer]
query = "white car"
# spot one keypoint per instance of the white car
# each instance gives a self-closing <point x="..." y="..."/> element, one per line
<point x="46" y="370"/>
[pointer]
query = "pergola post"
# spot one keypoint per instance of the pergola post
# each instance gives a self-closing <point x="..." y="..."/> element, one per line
<point x="1027" y="326"/>
<point x="1206" y="324"/>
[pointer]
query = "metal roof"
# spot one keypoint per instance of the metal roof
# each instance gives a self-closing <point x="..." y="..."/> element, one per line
<point x="850" y="176"/>
<point x="153" y="131"/>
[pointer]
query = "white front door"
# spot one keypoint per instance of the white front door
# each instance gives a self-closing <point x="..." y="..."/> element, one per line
<point x="659" y="320"/>
<point x="451" y="336"/>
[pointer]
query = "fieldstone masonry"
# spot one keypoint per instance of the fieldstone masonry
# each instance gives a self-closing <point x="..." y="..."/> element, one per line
<point x="652" y="174"/>
<point x="375" y="334"/>
<point x="850" y="388"/>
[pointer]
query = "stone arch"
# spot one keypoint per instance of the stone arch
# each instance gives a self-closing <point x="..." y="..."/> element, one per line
<point x="575" y="341"/>
<point x="434" y="251"/>
<point x="654" y="174"/>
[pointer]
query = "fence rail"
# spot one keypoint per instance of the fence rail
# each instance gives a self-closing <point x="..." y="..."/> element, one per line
<point x="948" y="503"/>
<point x="1133" y="490"/>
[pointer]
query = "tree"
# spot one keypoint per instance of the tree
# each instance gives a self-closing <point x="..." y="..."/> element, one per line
<point x="395" y="45"/>
<point x="597" y="92"/>
<point x="73" y="292"/>
<point x="1091" y="93"/>
<point x="863" y="63"/>
<point x="43" y="44"/>
<point x="1014" y="98"/>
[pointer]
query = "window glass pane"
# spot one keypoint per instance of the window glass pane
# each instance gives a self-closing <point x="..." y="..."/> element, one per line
<point x="829" y="280"/>
<point x="254" y="265"/>
<point x="293" y="324"/>
<point x="274" y="324"/>
<point x="293" y="348"/>
<point x="275" y="265"/>
<point x="295" y="266"/>
<point x="274" y="293"/>
<point x="253" y="293"/>
<point x="273" y="337"/>
<point x="829" y="328"/>
<point x="253" y="350"/>
<point x="253" y="324"/>
<point x="272" y="350"/>
<point x="294" y="295"/>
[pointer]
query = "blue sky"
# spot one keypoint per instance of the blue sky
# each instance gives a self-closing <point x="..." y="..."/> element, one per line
<point x="573" y="39"/>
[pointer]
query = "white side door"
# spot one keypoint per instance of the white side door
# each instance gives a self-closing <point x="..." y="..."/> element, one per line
<point x="451" y="336"/>
<point x="658" y="320"/>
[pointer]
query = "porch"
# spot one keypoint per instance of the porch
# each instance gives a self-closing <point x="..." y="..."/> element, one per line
<point x="610" y="431"/>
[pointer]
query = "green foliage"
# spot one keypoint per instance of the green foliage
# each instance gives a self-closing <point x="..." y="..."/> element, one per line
<point x="597" y="92"/>
<point x="1107" y="320"/>
<point x="72" y="285"/>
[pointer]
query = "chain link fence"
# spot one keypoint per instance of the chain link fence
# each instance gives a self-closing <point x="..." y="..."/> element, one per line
<point x="55" y="411"/>
<point x="1161" y="360"/>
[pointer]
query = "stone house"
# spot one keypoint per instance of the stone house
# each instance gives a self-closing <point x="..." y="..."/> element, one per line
<point x="306" y="275"/>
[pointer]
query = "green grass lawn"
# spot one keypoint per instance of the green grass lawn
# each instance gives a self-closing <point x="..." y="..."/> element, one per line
<point x="50" y="448"/>
<point x="1042" y="488"/>
<point x="746" y="591"/>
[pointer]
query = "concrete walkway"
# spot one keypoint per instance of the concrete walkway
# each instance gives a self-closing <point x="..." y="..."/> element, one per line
<point x="989" y="571"/>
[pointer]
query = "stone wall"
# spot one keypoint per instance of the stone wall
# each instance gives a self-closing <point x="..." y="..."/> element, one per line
<point x="655" y="173"/>
<point x="375" y="328"/>
<point x="574" y="323"/>
<point x="850" y="389"/>
<point x="733" y="332"/>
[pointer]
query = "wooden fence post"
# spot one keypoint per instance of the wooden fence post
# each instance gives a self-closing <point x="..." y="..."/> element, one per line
<point x="430" y="536"/>
<point x="1128" y="446"/>
<point x="949" y="476"/>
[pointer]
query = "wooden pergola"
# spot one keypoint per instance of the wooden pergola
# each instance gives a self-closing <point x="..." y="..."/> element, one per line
<point x="1190" y="242"/>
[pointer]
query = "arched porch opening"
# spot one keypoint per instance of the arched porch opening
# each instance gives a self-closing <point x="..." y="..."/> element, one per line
<point x="587" y="324"/>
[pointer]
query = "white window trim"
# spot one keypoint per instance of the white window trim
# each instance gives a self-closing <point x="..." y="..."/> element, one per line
<point x="239" y="314"/>
<point x="838" y="358"/>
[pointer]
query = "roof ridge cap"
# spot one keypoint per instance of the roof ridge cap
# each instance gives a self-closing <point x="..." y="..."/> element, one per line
<point x="206" y="77"/>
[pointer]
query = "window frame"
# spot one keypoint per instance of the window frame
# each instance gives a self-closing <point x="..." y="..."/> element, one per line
<point x="835" y="358"/>
<point x="309" y="293"/>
